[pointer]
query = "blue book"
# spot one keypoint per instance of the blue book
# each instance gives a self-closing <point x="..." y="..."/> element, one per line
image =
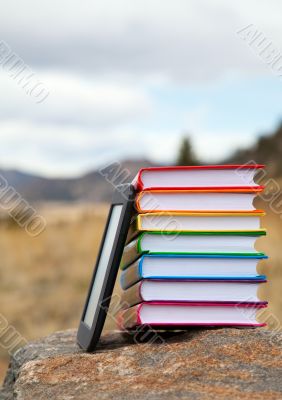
<point x="193" y="267"/>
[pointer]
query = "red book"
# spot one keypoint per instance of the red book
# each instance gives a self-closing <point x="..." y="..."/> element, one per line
<point x="198" y="177"/>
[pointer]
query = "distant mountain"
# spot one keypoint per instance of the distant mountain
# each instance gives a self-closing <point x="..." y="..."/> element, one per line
<point x="267" y="150"/>
<point x="92" y="186"/>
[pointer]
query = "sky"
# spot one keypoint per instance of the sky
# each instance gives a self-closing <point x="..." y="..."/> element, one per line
<point x="128" y="79"/>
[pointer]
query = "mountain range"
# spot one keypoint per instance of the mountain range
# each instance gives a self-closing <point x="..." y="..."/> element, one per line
<point x="95" y="186"/>
<point x="267" y="150"/>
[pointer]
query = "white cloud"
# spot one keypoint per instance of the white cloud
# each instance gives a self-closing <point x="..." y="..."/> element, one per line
<point x="75" y="100"/>
<point x="64" y="149"/>
<point x="115" y="70"/>
<point x="185" y="40"/>
<point x="57" y="150"/>
<point x="214" y="146"/>
<point x="208" y="146"/>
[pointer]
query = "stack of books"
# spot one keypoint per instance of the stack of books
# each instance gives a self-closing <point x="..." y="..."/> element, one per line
<point x="190" y="257"/>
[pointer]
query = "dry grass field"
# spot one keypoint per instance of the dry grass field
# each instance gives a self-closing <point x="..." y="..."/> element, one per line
<point x="43" y="280"/>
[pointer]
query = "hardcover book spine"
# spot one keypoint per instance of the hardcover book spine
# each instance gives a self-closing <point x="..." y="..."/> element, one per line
<point x="137" y="182"/>
<point x="133" y="230"/>
<point x="131" y="275"/>
<point x="131" y="296"/>
<point x="129" y="318"/>
<point x="131" y="253"/>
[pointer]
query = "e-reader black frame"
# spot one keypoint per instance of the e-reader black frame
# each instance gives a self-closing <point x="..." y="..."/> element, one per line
<point x="87" y="338"/>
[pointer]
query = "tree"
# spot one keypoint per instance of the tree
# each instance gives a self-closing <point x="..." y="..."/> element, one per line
<point x="186" y="155"/>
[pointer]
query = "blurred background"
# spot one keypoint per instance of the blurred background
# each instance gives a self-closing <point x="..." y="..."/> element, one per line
<point x="142" y="83"/>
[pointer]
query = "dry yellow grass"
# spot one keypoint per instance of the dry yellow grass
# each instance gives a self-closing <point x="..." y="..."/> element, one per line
<point x="272" y="268"/>
<point x="44" y="280"/>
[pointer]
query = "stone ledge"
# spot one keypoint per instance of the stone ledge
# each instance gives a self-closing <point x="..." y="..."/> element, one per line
<point x="198" y="364"/>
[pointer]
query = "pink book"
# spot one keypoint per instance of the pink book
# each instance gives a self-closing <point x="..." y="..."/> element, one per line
<point x="168" y="314"/>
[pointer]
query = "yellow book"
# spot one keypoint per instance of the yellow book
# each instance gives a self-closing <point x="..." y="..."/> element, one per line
<point x="198" y="221"/>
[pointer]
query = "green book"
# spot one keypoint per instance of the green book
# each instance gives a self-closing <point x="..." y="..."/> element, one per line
<point x="198" y="243"/>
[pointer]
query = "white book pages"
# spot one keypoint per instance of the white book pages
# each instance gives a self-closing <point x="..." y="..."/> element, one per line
<point x="161" y="314"/>
<point x="189" y="201"/>
<point x="199" y="291"/>
<point x="198" y="178"/>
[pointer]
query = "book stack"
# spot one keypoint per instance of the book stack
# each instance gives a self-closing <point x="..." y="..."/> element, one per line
<point x="190" y="258"/>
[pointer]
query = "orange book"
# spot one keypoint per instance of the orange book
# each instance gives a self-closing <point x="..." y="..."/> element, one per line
<point x="197" y="200"/>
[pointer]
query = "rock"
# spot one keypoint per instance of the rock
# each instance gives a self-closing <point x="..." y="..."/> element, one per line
<point x="197" y="364"/>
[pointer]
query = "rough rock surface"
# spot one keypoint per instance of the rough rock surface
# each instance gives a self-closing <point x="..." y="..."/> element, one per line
<point x="198" y="364"/>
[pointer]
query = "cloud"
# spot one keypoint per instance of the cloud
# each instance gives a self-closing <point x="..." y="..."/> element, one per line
<point x="75" y="100"/>
<point x="128" y="78"/>
<point x="185" y="41"/>
<point x="56" y="150"/>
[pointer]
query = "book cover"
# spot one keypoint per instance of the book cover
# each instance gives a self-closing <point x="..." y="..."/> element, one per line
<point x="244" y="315"/>
<point x="239" y="183"/>
<point x="196" y="221"/>
<point x="183" y="200"/>
<point x="176" y="291"/>
<point x="135" y="272"/>
<point x="135" y="249"/>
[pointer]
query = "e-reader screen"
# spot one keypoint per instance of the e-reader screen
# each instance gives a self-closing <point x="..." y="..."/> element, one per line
<point x="103" y="262"/>
<point x="106" y="267"/>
